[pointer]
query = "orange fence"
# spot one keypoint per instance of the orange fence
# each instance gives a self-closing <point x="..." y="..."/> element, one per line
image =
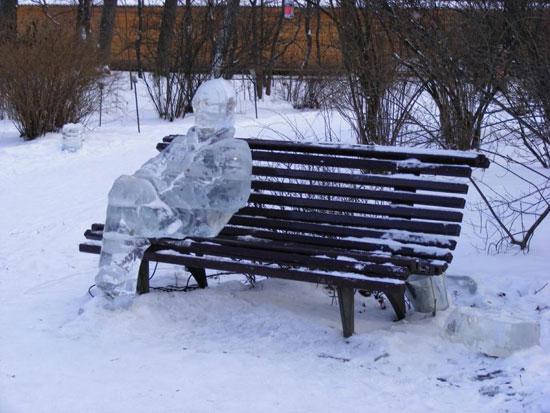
<point x="291" y="46"/>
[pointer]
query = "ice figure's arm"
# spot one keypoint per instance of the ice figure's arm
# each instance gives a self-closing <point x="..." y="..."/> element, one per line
<point x="218" y="184"/>
<point x="230" y="188"/>
<point x="164" y="168"/>
<point x="236" y="160"/>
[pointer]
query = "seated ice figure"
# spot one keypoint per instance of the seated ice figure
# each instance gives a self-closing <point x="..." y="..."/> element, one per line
<point x="192" y="188"/>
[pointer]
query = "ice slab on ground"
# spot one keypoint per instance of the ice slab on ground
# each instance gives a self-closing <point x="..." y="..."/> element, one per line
<point x="462" y="282"/>
<point x="493" y="333"/>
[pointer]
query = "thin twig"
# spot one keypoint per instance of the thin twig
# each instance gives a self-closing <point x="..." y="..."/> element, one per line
<point x="540" y="289"/>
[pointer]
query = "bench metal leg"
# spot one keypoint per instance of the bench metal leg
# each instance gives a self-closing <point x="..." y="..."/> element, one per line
<point x="347" y="309"/>
<point x="143" y="277"/>
<point x="199" y="274"/>
<point x="397" y="300"/>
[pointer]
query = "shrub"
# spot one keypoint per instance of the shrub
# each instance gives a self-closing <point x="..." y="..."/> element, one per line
<point x="48" y="77"/>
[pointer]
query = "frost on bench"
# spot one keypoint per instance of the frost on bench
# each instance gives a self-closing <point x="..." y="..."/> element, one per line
<point x="190" y="189"/>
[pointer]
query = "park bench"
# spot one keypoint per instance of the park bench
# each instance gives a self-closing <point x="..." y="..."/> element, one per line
<point x="354" y="217"/>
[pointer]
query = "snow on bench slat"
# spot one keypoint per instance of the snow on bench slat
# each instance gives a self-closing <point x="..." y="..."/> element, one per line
<point x="341" y="170"/>
<point x="396" y="246"/>
<point x="436" y="155"/>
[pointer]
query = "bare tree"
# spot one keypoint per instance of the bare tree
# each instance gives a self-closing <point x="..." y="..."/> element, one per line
<point x="166" y="35"/>
<point x="172" y="90"/>
<point x="223" y="50"/>
<point x="108" y="14"/>
<point x="278" y="46"/>
<point x="527" y="97"/>
<point x="262" y="41"/>
<point x="84" y="19"/>
<point x="8" y="19"/>
<point x="307" y="89"/>
<point x="373" y="78"/>
<point x="513" y="218"/>
<point x="456" y="53"/>
<point x="139" y="38"/>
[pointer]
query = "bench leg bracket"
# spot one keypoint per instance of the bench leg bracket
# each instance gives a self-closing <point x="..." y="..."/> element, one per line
<point x="397" y="300"/>
<point x="347" y="309"/>
<point x="199" y="274"/>
<point x="143" y="277"/>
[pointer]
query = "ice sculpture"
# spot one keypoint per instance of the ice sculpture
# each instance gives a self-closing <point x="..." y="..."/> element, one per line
<point x="72" y="137"/>
<point x="192" y="188"/>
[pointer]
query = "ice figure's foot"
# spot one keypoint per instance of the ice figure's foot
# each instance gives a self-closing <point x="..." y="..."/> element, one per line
<point x="111" y="299"/>
<point x="117" y="302"/>
<point x="114" y="283"/>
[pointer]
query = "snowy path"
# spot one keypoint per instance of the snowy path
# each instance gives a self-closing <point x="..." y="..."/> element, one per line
<point x="229" y="348"/>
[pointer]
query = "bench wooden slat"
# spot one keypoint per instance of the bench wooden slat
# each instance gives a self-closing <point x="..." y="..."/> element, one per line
<point x="359" y="245"/>
<point x="341" y="231"/>
<point x="368" y="151"/>
<point x="362" y="179"/>
<point x="311" y="246"/>
<point x="400" y="196"/>
<point x="426" y="227"/>
<point x="413" y="264"/>
<point x="330" y="230"/>
<point x="375" y="152"/>
<point x="290" y="258"/>
<point x="358" y="281"/>
<point x="364" y="208"/>
<point x="402" y="183"/>
<point x="365" y="165"/>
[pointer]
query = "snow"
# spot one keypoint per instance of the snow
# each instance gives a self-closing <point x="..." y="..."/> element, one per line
<point x="277" y="347"/>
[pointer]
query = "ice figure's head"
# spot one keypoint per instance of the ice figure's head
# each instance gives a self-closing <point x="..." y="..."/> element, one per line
<point x="214" y="105"/>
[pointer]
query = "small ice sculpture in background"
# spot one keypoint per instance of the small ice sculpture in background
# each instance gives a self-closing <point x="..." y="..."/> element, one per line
<point x="192" y="188"/>
<point x="73" y="135"/>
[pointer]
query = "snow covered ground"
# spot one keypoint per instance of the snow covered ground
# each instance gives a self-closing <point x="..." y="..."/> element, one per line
<point x="277" y="347"/>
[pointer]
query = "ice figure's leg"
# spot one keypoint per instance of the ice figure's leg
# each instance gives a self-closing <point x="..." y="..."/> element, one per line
<point x="119" y="264"/>
<point x="124" y="241"/>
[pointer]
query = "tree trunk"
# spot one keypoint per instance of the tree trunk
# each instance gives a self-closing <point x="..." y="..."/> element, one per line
<point x="139" y="38"/>
<point x="273" y="52"/>
<point x="309" y="42"/>
<point x="164" y="44"/>
<point x="108" y="14"/>
<point x="221" y="60"/>
<point x="84" y="18"/>
<point x="260" y="84"/>
<point x="373" y="120"/>
<point x="8" y="19"/>
<point x="318" y="32"/>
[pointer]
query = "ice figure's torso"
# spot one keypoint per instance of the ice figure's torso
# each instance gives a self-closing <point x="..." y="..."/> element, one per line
<point x="201" y="183"/>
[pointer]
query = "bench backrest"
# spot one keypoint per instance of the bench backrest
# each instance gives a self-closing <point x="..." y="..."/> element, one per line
<point x="399" y="203"/>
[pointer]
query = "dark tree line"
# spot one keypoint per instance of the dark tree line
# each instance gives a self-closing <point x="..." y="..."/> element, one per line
<point x="8" y="19"/>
